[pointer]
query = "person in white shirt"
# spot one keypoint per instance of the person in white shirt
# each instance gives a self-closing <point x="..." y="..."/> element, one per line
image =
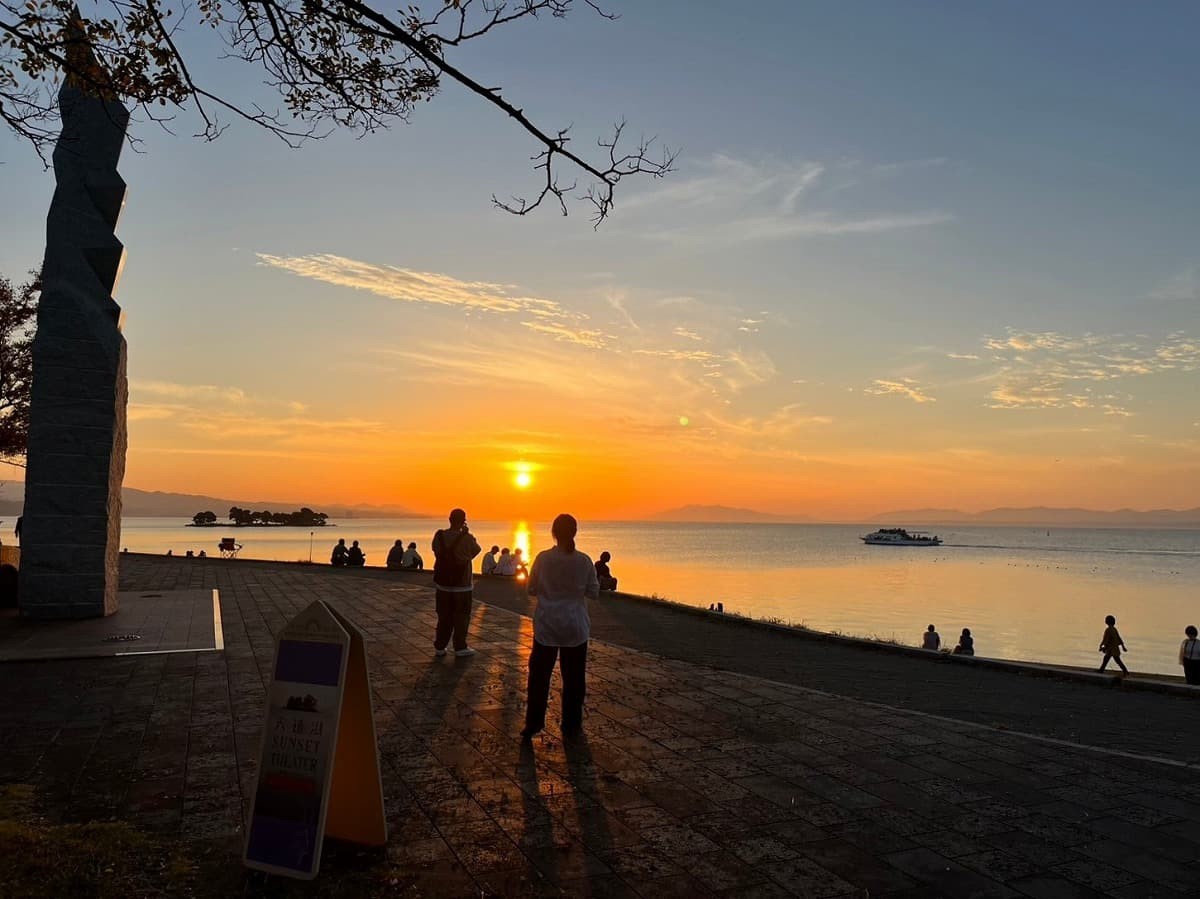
<point x="931" y="640"/>
<point x="1189" y="656"/>
<point x="506" y="565"/>
<point x="412" y="558"/>
<point x="562" y="581"/>
<point x="489" y="561"/>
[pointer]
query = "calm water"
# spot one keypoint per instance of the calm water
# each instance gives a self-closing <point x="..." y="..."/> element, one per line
<point x="1025" y="593"/>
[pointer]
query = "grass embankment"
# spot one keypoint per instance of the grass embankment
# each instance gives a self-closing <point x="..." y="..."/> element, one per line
<point x="117" y="860"/>
<point x="101" y="859"/>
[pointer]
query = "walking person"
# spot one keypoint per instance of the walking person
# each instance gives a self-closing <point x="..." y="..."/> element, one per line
<point x="453" y="549"/>
<point x="1111" y="645"/>
<point x="1189" y="656"/>
<point x="562" y="580"/>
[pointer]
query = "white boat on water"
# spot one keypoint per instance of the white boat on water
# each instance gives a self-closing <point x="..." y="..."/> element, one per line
<point x="901" y="537"/>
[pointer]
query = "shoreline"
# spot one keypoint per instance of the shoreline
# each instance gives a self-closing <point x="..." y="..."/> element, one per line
<point x="509" y="592"/>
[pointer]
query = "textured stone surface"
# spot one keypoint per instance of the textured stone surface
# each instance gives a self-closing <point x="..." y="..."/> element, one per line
<point x="77" y="435"/>
<point x="690" y="781"/>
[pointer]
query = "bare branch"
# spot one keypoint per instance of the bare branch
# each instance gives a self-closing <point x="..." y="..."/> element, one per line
<point x="335" y="63"/>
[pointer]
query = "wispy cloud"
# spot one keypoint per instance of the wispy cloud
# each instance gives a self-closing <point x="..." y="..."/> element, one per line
<point x="616" y="300"/>
<point x="173" y="390"/>
<point x="413" y="286"/>
<point x="730" y="199"/>
<point x="596" y="340"/>
<point x="1051" y="370"/>
<point x="905" y="387"/>
<point x="1184" y="286"/>
<point x="782" y="422"/>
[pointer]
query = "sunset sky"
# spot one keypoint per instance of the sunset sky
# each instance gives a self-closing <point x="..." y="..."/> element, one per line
<point x="914" y="255"/>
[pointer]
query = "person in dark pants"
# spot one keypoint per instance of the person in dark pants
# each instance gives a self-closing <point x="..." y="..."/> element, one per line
<point x="1189" y="656"/>
<point x="453" y="549"/>
<point x="1112" y="645"/>
<point x="562" y="580"/>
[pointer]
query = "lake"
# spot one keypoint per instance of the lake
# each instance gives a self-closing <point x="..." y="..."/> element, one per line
<point x="1025" y="593"/>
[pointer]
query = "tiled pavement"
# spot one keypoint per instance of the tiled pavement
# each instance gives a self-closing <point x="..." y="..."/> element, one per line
<point x="689" y="782"/>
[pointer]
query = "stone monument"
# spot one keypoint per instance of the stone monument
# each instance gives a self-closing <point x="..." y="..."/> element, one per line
<point x="77" y="438"/>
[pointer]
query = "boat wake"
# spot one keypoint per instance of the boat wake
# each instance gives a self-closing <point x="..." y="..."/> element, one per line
<point x="1114" y="551"/>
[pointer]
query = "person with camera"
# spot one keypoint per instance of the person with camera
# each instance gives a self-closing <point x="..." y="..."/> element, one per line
<point x="453" y="549"/>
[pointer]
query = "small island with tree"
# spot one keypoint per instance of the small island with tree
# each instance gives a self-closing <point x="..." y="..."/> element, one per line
<point x="244" y="518"/>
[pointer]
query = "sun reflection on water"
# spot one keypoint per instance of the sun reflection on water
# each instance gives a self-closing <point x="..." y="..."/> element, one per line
<point x="522" y="540"/>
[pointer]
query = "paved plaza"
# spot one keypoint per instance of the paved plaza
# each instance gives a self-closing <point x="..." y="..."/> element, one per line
<point x="690" y="781"/>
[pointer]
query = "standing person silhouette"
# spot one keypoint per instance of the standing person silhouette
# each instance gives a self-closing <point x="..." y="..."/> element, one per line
<point x="1111" y="645"/>
<point x="453" y="549"/>
<point x="1189" y="655"/>
<point x="562" y="580"/>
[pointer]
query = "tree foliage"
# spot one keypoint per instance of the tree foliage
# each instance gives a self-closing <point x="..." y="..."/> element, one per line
<point x="352" y="64"/>
<point x="305" y="517"/>
<point x="18" y="321"/>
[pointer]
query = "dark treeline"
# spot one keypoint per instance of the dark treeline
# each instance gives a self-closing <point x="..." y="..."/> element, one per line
<point x="305" y="518"/>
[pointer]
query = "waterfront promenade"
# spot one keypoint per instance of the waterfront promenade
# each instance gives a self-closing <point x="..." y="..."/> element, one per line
<point x="691" y="780"/>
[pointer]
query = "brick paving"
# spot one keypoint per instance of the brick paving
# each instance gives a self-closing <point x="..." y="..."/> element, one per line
<point x="690" y="781"/>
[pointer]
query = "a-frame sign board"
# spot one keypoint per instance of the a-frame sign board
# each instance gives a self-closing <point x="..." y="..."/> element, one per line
<point x="318" y="770"/>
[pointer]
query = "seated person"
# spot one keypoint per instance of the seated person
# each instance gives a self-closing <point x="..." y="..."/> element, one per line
<point x="521" y="570"/>
<point x="395" y="557"/>
<point x="355" y="557"/>
<point x="412" y="559"/>
<point x="931" y="640"/>
<point x="489" y="561"/>
<point x="603" y="575"/>
<point x="339" y="554"/>
<point x="966" y="644"/>
<point x="506" y="565"/>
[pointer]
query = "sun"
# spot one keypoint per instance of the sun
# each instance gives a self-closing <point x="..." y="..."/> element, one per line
<point x="522" y="479"/>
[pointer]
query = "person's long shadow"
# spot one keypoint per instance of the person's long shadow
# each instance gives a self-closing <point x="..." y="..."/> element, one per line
<point x="591" y="815"/>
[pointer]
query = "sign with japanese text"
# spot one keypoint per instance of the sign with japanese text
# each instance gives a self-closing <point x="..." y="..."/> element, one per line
<point x="304" y="705"/>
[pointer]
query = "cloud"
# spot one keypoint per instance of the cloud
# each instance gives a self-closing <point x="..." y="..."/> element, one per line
<point x="736" y="200"/>
<point x="1051" y="370"/>
<point x="969" y="356"/>
<point x="703" y="356"/>
<point x="1183" y="287"/>
<point x="596" y="340"/>
<point x="905" y="387"/>
<point x="172" y="390"/>
<point x="413" y="286"/>
<point x="686" y="334"/>
<point x="617" y="301"/>
<point x="780" y="423"/>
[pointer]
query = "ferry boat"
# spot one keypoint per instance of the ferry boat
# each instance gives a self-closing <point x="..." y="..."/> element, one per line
<point x="901" y="537"/>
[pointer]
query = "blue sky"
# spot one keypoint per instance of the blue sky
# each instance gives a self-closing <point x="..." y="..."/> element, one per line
<point x="868" y="195"/>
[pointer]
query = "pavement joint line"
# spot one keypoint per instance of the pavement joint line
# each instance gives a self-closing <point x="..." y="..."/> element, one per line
<point x="218" y="630"/>
<point x="1039" y="738"/>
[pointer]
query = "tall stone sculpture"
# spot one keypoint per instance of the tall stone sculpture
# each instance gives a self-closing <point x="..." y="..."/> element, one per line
<point x="77" y="438"/>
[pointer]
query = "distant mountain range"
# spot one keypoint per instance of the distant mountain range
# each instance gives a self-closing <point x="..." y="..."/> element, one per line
<point x="1045" y="515"/>
<point x="723" y="514"/>
<point x="1033" y="515"/>
<point x="154" y="504"/>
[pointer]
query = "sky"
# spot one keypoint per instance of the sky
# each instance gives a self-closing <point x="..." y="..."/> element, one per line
<point x="913" y="255"/>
